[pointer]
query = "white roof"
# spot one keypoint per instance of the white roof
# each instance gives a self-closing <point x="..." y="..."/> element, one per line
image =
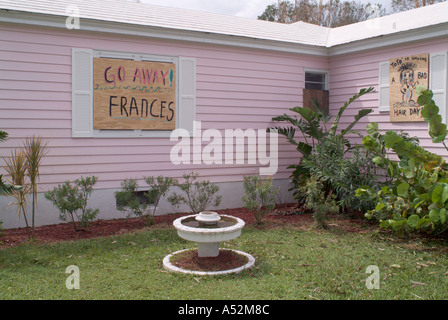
<point x="403" y="21"/>
<point x="145" y="15"/>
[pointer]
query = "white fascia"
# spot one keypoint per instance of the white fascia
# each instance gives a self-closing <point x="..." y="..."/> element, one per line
<point x="89" y="25"/>
<point x="403" y="37"/>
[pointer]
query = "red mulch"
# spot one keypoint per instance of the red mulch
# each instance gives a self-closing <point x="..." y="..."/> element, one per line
<point x="285" y="214"/>
<point x="227" y="260"/>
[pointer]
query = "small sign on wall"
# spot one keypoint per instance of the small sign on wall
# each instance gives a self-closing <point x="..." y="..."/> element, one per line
<point x="406" y="73"/>
<point x="134" y="95"/>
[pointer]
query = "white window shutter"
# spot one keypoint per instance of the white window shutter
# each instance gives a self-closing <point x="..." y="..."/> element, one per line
<point x="187" y="94"/>
<point x="82" y="92"/>
<point x="383" y="87"/>
<point x="438" y="64"/>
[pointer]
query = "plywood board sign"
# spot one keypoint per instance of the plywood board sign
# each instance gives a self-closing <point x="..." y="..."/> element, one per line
<point x="134" y="95"/>
<point x="405" y="74"/>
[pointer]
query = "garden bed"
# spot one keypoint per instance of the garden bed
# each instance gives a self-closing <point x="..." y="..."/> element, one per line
<point x="284" y="214"/>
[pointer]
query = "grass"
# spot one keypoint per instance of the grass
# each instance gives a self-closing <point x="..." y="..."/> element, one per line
<point x="291" y="263"/>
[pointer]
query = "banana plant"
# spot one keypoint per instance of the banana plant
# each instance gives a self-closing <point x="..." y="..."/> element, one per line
<point x="312" y="124"/>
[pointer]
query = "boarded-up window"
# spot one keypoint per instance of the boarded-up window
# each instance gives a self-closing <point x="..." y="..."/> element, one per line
<point x="405" y="74"/>
<point x="177" y="113"/>
<point x="321" y="96"/>
<point x="438" y="82"/>
<point x="316" y="90"/>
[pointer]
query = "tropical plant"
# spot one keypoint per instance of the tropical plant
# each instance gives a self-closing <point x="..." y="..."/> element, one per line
<point x="341" y="171"/>
<point x="71" y="198"/>
<point x="417" y="197"/>
<point x="35" y="150"/>
<point x="318" y="140"/>
<point x="16" y="167"/>
<point x="259" y="196"/>
<point x="198" y="195"/>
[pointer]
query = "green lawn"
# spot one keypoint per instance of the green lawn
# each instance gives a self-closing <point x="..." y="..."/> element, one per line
<point x="291" y="263"/>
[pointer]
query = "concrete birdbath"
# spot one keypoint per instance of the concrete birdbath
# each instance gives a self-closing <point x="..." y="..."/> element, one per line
<point x="209" y="229"/>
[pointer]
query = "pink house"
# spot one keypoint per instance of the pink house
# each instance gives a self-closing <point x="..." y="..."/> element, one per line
<point x="67" y="68"/>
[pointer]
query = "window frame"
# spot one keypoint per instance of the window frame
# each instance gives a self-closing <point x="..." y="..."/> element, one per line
<point x="318" y="71"/>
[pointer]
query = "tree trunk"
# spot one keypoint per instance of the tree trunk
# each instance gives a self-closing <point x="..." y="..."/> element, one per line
<point x="319" y="17"/>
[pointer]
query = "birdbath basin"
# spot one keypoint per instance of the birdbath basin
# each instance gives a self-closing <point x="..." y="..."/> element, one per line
<point x="208" y="229"/>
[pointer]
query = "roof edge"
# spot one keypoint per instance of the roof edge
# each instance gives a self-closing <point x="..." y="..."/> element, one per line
<point x="102" y="26"/>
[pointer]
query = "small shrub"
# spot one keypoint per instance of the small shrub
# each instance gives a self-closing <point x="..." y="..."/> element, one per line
<point x="198" y="195"/>
<point x="317" y="201"/>
<point x="259" y="196"/>
<point x="70" y="198"/>
<point x="159" y="187"/>
<point x="128" y="201"/>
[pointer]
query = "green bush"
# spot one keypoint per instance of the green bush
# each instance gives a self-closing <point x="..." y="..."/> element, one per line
<point x="128" y="200"/>
<point x="317" y="201"/>
<point x="328" y="157"/>
<point x="416" y="197"/>
<point x="71" y="201"/>
<point x="132" y="204"/>
<point x="198" y="195"/>
<point x="158" y="188"/>
<point x="259" y="196"/>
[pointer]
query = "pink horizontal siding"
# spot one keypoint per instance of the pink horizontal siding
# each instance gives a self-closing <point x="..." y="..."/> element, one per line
<point x="352" y="72"/>
<point x="236" y="88"/>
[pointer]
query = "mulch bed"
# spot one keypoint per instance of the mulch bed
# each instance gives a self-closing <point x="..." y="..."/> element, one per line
<point x="285" y="214"/>
<point x="227" y="260"/>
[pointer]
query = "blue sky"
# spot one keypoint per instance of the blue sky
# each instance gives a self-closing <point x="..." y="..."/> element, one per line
<point x="241" y="8"/>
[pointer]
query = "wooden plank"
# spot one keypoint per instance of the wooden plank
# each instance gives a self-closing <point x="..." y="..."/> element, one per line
<point x="322" y="97"/>
<point x="134" y="95"/>
<point x="404" y="75"/>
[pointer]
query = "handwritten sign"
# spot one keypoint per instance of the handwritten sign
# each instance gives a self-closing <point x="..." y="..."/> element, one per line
<point x="405" y="74"/>
<point x="134" y="95"/>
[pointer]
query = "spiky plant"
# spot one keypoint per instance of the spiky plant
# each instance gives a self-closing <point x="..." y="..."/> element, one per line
<point x="35" y="150"/>
<point x="16" y="167"/>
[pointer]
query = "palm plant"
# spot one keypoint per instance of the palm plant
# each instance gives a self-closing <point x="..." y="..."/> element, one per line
<point x="316" y="133"/>
<point x="35" y="150"/>
<point x="16" y="167"/>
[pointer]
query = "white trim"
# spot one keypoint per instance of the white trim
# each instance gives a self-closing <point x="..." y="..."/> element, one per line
<point x="78" y="95"/>
<point x="395" y="39"/>
<point x="43" y="20"/>
<point x="187" y="98"/>
<point x="326" y="72"/>
<point x="382" y="87"/>
<point x="440" y="94"/>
